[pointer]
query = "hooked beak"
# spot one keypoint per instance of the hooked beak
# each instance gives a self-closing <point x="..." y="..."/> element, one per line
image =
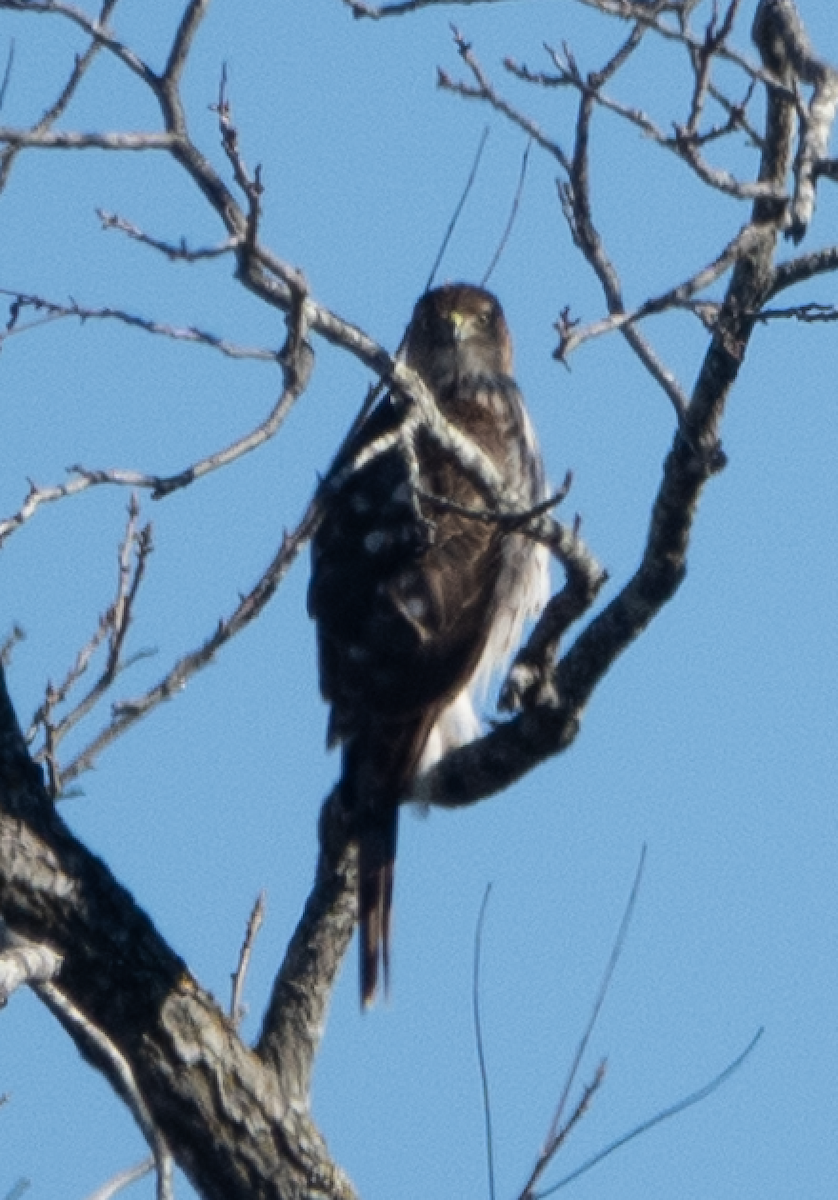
<point x="459" y="325"/>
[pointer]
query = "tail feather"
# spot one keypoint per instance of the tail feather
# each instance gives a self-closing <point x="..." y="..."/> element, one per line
<point x="378" y="764"/>
<point x="376" y="864"/>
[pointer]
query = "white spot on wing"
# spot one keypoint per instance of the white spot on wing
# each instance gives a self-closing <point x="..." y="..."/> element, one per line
<point x="375" y="542"/>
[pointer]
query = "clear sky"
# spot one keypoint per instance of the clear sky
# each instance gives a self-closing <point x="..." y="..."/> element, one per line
<point x="712" y="742"/>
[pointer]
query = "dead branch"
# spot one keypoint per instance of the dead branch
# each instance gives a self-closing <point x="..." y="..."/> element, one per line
<point x="54" y="311"/>
<point x="509" y="751"/>
<point x="175" y="253"/>
<point x="665" y="1114"/>
<point x="96" y="1046"/>
<point x="296" y="361"/>
<point x="126" y="713"/>
<point x="254" y="924"/>
<point x="226" y="1116"/>
<point x="113" y="626"/>
<point x="56" y="110"/>
<point x="572" y="335"/>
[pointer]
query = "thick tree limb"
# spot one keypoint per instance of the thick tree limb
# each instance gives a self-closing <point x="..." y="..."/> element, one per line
<point x="234" y="1124"/>
<point x="494" y="762"/>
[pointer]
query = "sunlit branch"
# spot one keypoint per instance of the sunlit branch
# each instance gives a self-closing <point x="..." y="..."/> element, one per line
<point x="47" y="139"/>
<point x="23" y="962"/>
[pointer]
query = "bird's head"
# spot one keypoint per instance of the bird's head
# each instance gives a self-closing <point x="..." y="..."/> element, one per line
<point x="458" y="330"/>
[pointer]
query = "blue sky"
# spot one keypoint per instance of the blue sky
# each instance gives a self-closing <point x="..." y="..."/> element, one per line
<point x="712" y="742"/>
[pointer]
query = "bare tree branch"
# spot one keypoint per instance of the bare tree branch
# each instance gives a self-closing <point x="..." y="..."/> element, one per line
<point x="135" y="1011"/>
<point x="59" y="107"/>
<point x="673" y="1110"/>
<point x="175" y="253"/>
<point x="113" y="626"/>
<point x="126" y="713"/>
<point x="123" y="1180"/>
<point x="55" y="312"/>
<point x="572" y="335"/>
<point x="238" y="1120"/>
<point x="98" y="1047"/>
<point x="803" y="268"/>
<point x="296" y="361"/>
<point x="254" y="924"/>
<point x="502" y="756"/>
<point x="97" y="29"/>
<point x="69" y="139"/>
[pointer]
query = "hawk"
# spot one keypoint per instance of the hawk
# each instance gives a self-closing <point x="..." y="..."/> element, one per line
<point x="418" y="603"/>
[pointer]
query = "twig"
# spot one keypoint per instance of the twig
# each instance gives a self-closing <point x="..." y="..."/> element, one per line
<point x="452" y="224"/>
<point x="254" y="924"/>
<point x="572" y="334"/>
<point x="680" y="1106"/>
<point x="485" y="91"/>
<point x="7" y="72"/>
<point x="685" y="143"/>
<point x="113" y="625"/>
<point x="186" y="333"/>
<point x="557" y="1133"/>
<point x="126" y="713"/>
<point x="532" y="680"/>
<point x="8" y="645"/>
<point x="94" y="27"/>
<point x="175" y="253"/>
<point x="478" y="1039"/>
<point x="56" y="110"/>
<point x="516" y="201"/>
<point x="98" y="1046"/>
<point x="375" y="11"/>
<point x="810" y="313"/>
<point x="296" y="367"/>
<point x="21" y="1187"/>
<point x="251" y="185"/>
<point x="524" y="521"/>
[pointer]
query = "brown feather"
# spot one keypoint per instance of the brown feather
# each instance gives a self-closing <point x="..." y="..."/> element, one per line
<point x="416" y="604"/>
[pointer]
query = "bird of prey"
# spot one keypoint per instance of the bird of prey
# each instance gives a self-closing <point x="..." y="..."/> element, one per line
<point x="418" y="603"/>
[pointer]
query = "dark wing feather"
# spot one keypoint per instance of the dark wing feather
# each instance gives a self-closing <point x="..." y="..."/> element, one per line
<point x="406" y="595"/>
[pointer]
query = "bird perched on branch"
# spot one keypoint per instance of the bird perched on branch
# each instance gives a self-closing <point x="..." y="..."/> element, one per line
<point x="418" y="597"/>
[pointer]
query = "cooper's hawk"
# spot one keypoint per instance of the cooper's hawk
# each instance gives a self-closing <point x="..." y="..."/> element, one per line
<point x="418" y="604"/>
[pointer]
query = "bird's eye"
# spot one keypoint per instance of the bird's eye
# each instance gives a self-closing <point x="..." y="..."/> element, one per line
<point x="484" y="317"/>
